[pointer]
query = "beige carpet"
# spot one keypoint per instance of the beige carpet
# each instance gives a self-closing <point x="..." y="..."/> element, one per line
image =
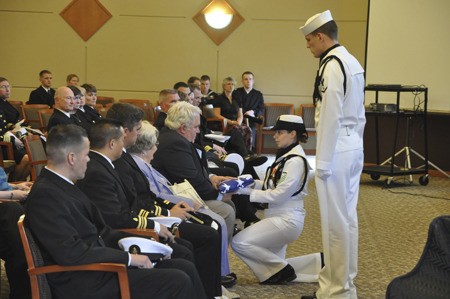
<point x="393" y="230"/>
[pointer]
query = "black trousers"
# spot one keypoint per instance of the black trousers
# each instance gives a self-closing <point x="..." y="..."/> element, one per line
<point x="173" y="278"/>
<point x="11" y="250"/>
<point x="207" y="252"/>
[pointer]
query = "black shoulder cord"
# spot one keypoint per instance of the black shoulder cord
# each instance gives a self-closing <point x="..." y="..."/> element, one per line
<point x="279" y="171"/>
<point x="317" y="96"/>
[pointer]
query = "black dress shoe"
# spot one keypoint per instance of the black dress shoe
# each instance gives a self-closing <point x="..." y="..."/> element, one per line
<point x="313" y="296"/>
<point x="228" y="280"/>
<point x="254" y="160"/>
<point x="236" y="230"/>
<point x="283" y="276"/>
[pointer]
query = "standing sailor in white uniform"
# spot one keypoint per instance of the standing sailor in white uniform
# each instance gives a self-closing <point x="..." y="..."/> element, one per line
<point x="340" y="120"/>
<point x="262" y="246"/>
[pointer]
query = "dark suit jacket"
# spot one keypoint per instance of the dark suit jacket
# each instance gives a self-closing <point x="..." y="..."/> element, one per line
<point x="91" y="113"/>
<point x="83" y="120"/>
<point x="254" y="100"/>
<point x="59" y="118"/>
<point x="41" y="96"/>
<point x="136" y="183"/>
<point x="160" y="121"/>
<point x="8" y="115"/>
<point x="70" y="230"/>
<point x="177" y="159"/>
<point x="103" y="187"/>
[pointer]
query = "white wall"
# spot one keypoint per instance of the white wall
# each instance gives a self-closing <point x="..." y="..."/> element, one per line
<point x="149" y="45"/>
<point x="409" y="43"/>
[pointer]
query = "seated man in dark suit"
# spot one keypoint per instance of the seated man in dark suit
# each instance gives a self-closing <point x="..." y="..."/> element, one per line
<point x="121" y="208"/>
<point x="44" y="94"/>
<point x="178" y="159"/>
<point x="70" y="230"/>
<point x="64" y="102"/>
<point x="167" y="98"/>
<point x="205" y="239"/>
<point x="9" y="126"/>
<point x="11" y="251"/>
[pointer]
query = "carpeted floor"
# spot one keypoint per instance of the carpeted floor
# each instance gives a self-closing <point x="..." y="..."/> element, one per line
<point x="393" y="227"/>
<point x="393" y="230"/>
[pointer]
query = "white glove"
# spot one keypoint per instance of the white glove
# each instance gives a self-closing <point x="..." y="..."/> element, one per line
<point x="244" y="191"/>
<point x="323" y="174"/>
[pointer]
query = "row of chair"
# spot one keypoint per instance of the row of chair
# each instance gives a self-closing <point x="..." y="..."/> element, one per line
<point x="271" y="113"/>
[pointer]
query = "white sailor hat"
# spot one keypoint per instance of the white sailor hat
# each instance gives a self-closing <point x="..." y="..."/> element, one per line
<point x="236" y="159"/>
<point x="137" y="245"/>
<point x="316" y="21"/>
<point x="166" y="221"/>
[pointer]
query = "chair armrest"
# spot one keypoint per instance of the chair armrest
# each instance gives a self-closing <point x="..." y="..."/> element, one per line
<point x="106" y="267"/>
<point x="120" y="269"/>
<point x="9" y="149"/>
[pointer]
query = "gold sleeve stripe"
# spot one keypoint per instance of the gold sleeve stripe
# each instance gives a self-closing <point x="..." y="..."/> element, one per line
<point x="143" y="213"/>
<point x="157" y="210"/>
<point x="142" y="222"/>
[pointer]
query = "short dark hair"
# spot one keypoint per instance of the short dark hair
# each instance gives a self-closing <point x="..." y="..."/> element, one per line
<point x="41" y="73"/>
<point x="103" y="131"/>
<point x="128" y="115"/>
<point x="70" y="76"/>
<point x="180" y="84"/>
<point x="192" y="79"/>
<point x="63" y="139"/>
<point x="76" y="91"/>
<point x="193" y="87"/>
<point x="205" y="78"/>
<point x="3" y="79"/>
<point x="330" y="29"/>
<point x="89" y="87"/>
<point x="247" y="73"/>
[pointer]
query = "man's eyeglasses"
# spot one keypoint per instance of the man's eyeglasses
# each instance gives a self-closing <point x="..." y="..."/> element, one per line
<point x="5" y="87"/>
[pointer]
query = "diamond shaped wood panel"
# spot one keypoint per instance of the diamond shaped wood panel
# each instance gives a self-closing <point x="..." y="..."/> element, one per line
<point x="218" y="35"/>
<point x="86" y="17"/>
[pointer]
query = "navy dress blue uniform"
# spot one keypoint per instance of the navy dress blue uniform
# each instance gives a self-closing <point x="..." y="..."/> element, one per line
<point x="10" y="116"/>
<point x="42" y="96"/>
<point x="205" y="239"/>
<point x="91" y="113"/>
<point x="104" y="188"/>
<point x="70" y="230"/>
<point x="60" y="118"/>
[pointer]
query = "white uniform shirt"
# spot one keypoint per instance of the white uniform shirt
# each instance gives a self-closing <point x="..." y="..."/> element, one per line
<point x="340" y="118"/>
<point x="289" y="183"/>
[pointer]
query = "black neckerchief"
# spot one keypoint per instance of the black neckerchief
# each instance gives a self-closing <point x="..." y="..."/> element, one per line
<point x="317" y="96"/>
<point x="283" y="151"/>
<point x="328" y="51"/>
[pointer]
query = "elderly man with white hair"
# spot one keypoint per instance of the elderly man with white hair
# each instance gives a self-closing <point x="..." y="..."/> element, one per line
<point x="178" y="159"/>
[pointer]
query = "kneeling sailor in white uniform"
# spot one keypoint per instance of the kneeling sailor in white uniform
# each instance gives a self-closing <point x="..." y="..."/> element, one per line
<point x="263" y="245"/>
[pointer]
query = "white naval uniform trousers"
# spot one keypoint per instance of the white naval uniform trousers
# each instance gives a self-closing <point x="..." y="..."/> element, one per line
<point x="262" y="246"/>
<point x="340" y="126"/>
